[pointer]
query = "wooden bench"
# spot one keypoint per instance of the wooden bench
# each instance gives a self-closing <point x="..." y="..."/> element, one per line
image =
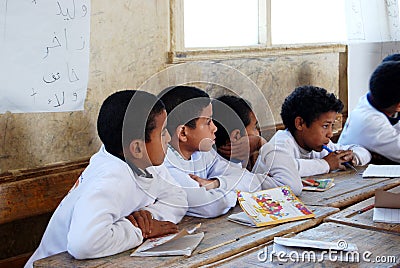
<point x="217" y="230"/>
<point x="27" y="201"/>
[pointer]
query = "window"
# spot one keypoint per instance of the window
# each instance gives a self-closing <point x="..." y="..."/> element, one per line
<point x="232" y="23"/>
<point x="220" y="23"/>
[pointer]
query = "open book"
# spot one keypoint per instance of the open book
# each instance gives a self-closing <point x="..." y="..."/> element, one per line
<point x="386" y="171"/>
<point x="313" y="250"/>
<point x="387" y="207"/>
<point x="319" y="185"/>
<point x="182" y="243"/>
<point x="270" y="206"/>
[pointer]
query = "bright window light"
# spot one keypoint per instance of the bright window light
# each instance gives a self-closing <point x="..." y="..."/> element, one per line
<point x="220" y="23"/>
<point x="308" y="21"/>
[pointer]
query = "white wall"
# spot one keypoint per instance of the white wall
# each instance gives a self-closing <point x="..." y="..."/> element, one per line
<point x="373" y="31"/>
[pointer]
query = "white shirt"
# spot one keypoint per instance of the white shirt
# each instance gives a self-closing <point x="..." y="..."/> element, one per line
<point x="371" y="128"/>
<point x="310" y="163"/>
<point x="207" y="165"/>
<point x="90" y="221"/>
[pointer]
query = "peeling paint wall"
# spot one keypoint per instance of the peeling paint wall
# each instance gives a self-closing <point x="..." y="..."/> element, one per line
<point x="129" y="44"/>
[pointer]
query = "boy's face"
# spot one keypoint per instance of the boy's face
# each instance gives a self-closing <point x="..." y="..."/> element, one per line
<point x="159" y="138"/>
<point x="318" y="134"/>
<point x="202" y="137"/>
<point x="252" y="128"/>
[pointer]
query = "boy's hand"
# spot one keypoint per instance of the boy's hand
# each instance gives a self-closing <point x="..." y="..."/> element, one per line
<point x="337" y="158"/>
<point x="144" y="221"/>
<point x="208" y="184"/>
<point x="242" y="148"/>
<point x="161" y="228"/>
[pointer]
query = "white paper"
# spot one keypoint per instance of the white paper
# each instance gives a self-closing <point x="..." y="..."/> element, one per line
<point x="241" y="218"/>
<point x="388" y="215"/>
<point x="305" y="243"/>
<point x="44" y="52"/>
<point x="391" y="171"/>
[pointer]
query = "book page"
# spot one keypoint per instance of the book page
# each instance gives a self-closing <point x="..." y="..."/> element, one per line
<point x="158" y="241"/>
<point x="388" y="215"/>
<point x="391" y="171"/>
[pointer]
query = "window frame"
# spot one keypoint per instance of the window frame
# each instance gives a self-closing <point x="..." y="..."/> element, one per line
<point x="179" y="54"/>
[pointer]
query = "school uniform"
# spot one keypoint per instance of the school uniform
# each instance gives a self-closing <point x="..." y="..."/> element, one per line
<point x="90" y="221"/>
<point x="207" y="165"/>
<point x="373" y="130"/>
<point x="308" y="163"/>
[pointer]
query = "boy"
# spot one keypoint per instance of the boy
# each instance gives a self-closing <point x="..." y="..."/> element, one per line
<point x="119" y="199"/>
<point x="373" y="123"/>
<point x="238" y="136"/>
<point x="208" y="179"/>
<point x="308" y="114"/>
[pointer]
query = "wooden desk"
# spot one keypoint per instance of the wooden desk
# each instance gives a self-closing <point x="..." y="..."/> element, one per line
<point x="349" y="189"/>
<point x="350" y="216"/>
<point x="216" y="230"/>
<point x="378" y="243"/>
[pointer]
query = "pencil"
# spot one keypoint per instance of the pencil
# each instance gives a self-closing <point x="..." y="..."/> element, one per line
<point x="366" y="208"/>
<point x="218" y="245"/>
<point x="307" y="182"/>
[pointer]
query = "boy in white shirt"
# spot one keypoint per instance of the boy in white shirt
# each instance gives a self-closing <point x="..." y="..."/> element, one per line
<point x="374" y="123"/>
<point x="308" y="114"/>
<point x="208" y="179"/>
<point x="121" y="197"/>
<point x="238" y="136"/>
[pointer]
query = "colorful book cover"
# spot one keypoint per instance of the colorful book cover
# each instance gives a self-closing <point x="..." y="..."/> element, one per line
<point x="319" y="185"/>
<point x="273" y="206"/>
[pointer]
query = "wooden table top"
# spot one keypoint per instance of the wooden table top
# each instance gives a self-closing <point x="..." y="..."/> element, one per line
<point x="379" y="244"/>
<point x="217" y="230"/>
<point x="349" y="189"/>
<point x="355" y="217"/>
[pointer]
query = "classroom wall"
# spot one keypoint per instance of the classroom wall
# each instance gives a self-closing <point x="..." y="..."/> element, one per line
<point x="129" y="43"/>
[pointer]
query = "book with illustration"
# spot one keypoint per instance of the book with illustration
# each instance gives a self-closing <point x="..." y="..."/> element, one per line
<point x="319" y="185"/>
<point x="181" y="243"/>
<point x="270" y="206"/>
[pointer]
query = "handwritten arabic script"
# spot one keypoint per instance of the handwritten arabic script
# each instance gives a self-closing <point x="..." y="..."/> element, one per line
<point x="44" y="51"/>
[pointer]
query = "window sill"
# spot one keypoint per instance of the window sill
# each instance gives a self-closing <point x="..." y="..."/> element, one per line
<point x="251" y="52"/>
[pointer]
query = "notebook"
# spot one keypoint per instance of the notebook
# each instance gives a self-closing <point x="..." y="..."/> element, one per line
<point x="319" y="185"/>
<point x="182" y="243"/>
<point x="386" y="171"/>
<point x="313" y="250"/>
<point x="387" y="207"/>
<point x="270" y="206"/>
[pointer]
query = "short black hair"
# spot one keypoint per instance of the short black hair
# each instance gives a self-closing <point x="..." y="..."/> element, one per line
<point x="230" y="113"/>
<point x="184" y="104"/>
<point x="392" y="57"/>
<point x="308" y="102"/>
<point x="127" y="115"/>
<point x="384" y="84"/>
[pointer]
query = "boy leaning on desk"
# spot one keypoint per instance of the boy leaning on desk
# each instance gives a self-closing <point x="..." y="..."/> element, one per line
<point x="125" y="194"/>
<point x="308" y="114"/>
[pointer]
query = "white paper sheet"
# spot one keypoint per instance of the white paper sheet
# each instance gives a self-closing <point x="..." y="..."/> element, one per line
<point x="44" y="52"/>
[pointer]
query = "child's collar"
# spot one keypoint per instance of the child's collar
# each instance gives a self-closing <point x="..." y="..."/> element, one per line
<point x="393" y="120"/>
<point x="176" y="152"/>
<point x="138" y="171"/>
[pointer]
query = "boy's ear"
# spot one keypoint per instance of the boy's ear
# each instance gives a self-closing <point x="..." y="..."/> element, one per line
<point x="398" y="107"/>
<point x="137" y="148"/>
<point x="299" y="123"/>
<point x="235" y="135"/>
<point x="181" y="133"/>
